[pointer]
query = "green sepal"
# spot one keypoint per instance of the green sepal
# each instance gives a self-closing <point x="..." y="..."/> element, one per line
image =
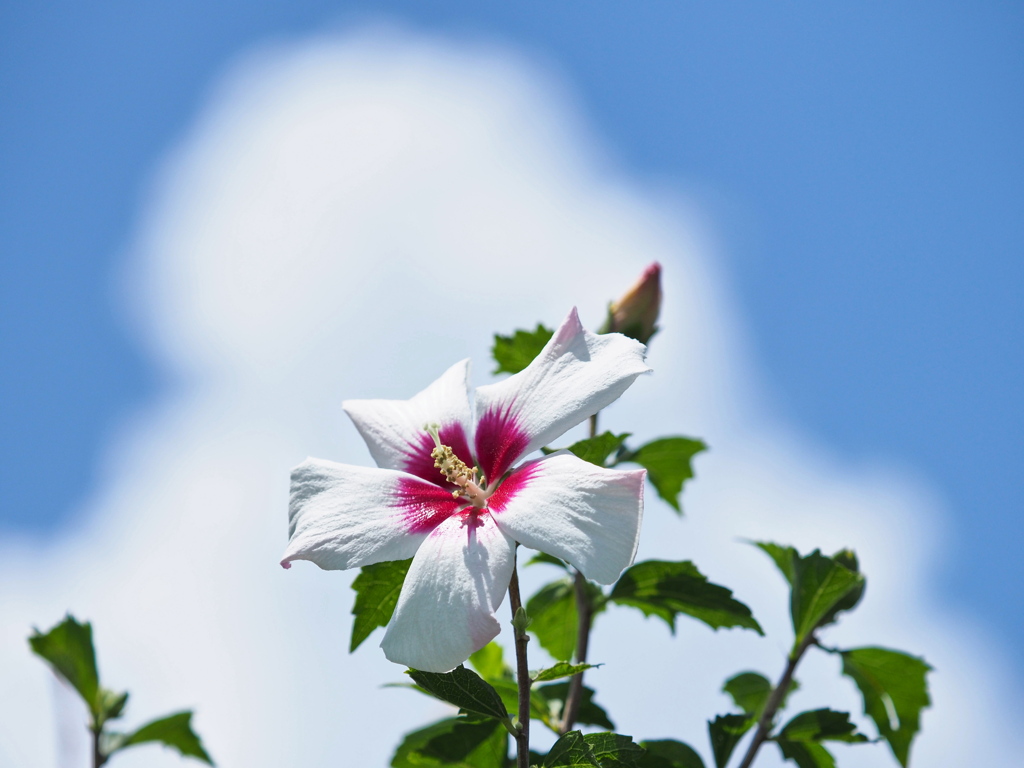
<point x="174" y="731"/>
<point x="377" y="587"/>
<point x="458" y="741"/>
<point x="463" y="688"/>
<point x="598" y="449"/>
<point x="725" y="732"/>
<point x="560" y="670"/>
<point x="489" y="661"/>
<point x="554" y="619"/>
<point x="571" y="751"/>
<point x="806" y="754"/>
<point x="513" y="353"/>
<point x="821" y="725"/>
<point x="69" y="651"/>
<point x="665" y="589"/>
<point x="668" y="753"/>
<point x="895" y="690"/>
<point x="669" y="464"/>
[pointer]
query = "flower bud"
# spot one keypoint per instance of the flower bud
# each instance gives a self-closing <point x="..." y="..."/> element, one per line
<point x="636" y="313"/>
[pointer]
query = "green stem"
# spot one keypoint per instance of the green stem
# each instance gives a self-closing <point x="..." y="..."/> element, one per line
<point x="522" y="677"/>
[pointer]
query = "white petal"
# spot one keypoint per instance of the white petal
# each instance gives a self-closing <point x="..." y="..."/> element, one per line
<point x="577" y="374"/>
<point x="446" y="609"/>
<point x="587" y="515"/>
<point x="394" y="429"/>
<point x="341" y="516"/>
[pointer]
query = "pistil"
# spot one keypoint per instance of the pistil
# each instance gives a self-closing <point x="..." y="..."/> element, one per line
<point x="456" y="471"/>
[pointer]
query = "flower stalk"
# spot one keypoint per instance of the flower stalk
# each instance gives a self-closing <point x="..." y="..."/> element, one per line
<point x="523" y="680"/>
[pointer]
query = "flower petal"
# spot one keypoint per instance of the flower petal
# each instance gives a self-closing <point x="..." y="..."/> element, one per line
<point x="394" y="429"/>
<point x="455" y="584"/>
<point x="576" y="374"/>
<point x="587" y="515"/>
<point x="341" y="516"/>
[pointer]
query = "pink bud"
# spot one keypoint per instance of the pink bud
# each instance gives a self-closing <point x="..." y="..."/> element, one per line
<point x="636" y="313"/>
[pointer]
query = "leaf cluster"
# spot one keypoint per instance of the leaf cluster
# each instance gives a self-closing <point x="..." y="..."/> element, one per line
<point x="68" y="649"/>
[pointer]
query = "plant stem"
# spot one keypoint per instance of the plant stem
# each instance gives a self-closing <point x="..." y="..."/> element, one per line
<point x="764" y="724"/>
<point x="585" y="613"/>
<point x="522" y="676"/>
<point x="98" y="758"/>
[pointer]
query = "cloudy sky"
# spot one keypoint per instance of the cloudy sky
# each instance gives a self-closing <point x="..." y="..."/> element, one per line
<point x="215" y="239"/>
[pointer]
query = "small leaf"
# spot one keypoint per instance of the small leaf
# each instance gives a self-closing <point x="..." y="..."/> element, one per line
<point x="750" y="691"/>
<point x="666" y="589"/>
<point x="553" y="698"/>
<point x="895" y="690"/>
<point x="111" y="704"/>
<point x="725" y="732"/>
<point x="668" y="462"/>
<point x="597" y="449"/>
<point x="489" y="661"/>
<point x="546" y="559"/>
<point x="571" y="751"/>
<point x="456" y="741"/>
<point x="821" y="587"/>
<point x="173" y="731"/>
<point x="613" y="750"/>
<point x="806" y="754"/>
<point x="68" y="649"/>
<point x="560" y="670"/>
<point x="667" y="753"/>
<point x="376" y="587"/>
<point x="554" y="620"/>
<point x="784" y="557"/>
<point x="463" y="688"/>
<point x="514" y="353"/>
<point x="821" y="725"/>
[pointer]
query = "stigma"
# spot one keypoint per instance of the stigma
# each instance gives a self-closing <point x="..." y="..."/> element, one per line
<point x="456" y="471"/>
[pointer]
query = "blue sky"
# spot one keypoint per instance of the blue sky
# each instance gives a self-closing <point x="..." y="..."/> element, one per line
<point x="863" y="167"/>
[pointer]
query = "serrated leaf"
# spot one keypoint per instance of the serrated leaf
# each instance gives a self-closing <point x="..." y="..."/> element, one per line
<point x="821" y="587"/>
<point x="725" y="732"/>
<point x="821" y="725"/>
<point x="613" y="750"/>
<point x="560" y="670"/>
<point x="553" y="695"/>
<point x="895" y="690"/>
<point x="174" y="731"/>
<point x="513" y="353"/>
<point x="489" y="661"/>
<point x="456" y="741"/>
<point x="749" y="690"/>
<point x="597" y="449"/>
<point x="806" y="754"/>
<point x="666" y="589"/>
<point x="463" y="688"/>
<point x="554" y="620"/>
<point x="784" y="557"/>
<point x="571" y="751"/>
<point x="668" y="753"/>
<point x="69" y="651"/>
<point x="669" y="464"/>
<point x="377" y="587"/>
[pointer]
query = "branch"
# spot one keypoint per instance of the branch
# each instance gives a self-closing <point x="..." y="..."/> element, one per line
<point x="522" y="674"/>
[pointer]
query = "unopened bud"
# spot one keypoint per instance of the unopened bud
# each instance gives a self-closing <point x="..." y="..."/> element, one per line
<point x="636" y="313"/>
<point x="521" y="621"/>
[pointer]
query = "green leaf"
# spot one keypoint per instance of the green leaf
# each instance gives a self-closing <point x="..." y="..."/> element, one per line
<point x="463" y="688"/>
<point x="514" y="353"/>
<point x="783" y="556"/>
<point x="613" y="750"/>
<point x="560" y="670"/>
<point x="725" y="732"/>
<point x="668" y="753"/>
<point x="571" y="751"/>
<point x="750" y="691"/>
<point x="376" y="587"/>
<point x="806" y="754"/>
<point x="668" y="462"/>
<point x="554" y="620"/>
<point x="68" y="649"/>
<point x="111" y="703"/>
<point x="821" y="588"/>
<point x="173" y="731"/>
<point x="489" y="661"/>
<point x="553" y="698"/>
<point x="456" y="741"/>
<point x="895" y="690"/>
<point x="597" y="449"/>
<point x="666" y="589"/>
<point x="821" y="725"/>
<point x="546" y="559"/>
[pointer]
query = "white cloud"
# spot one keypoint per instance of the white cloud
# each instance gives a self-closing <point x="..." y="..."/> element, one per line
<point x="348" y="217"/>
